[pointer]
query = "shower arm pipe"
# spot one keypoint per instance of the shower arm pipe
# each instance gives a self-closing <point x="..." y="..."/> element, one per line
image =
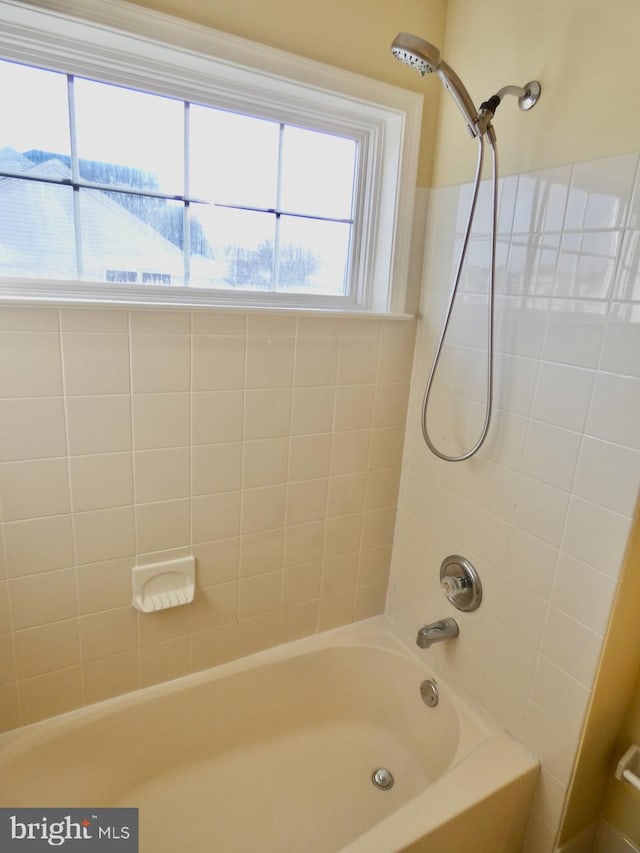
<point x="516" y="91"/>
<point x="491" y="312"/>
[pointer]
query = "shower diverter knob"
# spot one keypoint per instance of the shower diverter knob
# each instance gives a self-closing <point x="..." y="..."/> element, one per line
<point x="451" y="586"/>
<point x="460" y="583"/>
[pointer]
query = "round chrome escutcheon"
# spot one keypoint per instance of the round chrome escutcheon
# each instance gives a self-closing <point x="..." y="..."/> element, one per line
<point x="460" y="583"/>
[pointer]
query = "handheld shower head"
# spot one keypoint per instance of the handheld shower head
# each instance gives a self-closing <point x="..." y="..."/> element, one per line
<point x="416" y="53"/>
<point x="425" y="58"/>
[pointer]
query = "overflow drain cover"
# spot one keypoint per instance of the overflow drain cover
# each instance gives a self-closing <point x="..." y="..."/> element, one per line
<point x="382" y="778"/>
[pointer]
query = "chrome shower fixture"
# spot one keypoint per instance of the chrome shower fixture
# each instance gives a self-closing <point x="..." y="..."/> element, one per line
<point x="425" y="58"/>
<point x="527" y="96"/>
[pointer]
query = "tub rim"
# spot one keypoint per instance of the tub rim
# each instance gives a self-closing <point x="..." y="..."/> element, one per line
<point x="378" y="632"/>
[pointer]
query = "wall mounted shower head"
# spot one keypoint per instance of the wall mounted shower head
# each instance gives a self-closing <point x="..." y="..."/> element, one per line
<point x="425" y="58"/>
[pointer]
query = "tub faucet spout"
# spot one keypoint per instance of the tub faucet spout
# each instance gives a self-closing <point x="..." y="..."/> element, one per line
<point x="436" y="632"/>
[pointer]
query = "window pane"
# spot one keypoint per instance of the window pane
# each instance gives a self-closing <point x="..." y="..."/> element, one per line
<point x="317" y="173"/>
<point x="129" y="138"/>
<point x="313" y="256"/>
<point x="237" y="251"/>
<point x="233" y="158"/>
<point x="36" y="230"/>
<point x="34" y="132"/>
<point x="123" y="243"/>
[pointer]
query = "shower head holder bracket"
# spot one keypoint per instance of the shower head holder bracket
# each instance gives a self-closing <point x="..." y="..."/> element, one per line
<point x="527" y="95"/>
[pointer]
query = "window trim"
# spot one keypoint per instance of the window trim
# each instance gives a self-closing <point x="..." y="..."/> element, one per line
<point x="124" y="44"/>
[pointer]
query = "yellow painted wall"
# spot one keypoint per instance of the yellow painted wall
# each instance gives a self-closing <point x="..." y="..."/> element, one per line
<point x="584" y="52"/>
<point x="622" y="802"/>
<point x="605" y="738"/>
<point x="351" y="34"/>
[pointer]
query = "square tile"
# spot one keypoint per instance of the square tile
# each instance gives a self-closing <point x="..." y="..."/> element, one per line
<point x="42" y="598"/>
<point x="162" y="526"/>
<point x="30" y="364"/>
<point x="265" y="462"/>
<point x="99" y="424"/>
<point x="38" y="545"/>
<point x="100" y="482"/>
<point x="96" y="363"/>
<point x="217" y="416"/>
<point x="46" y="648"/>
<point x="216" y="468"/>
<point x="160" y="363"/>
<point x="563" y="395"/>
<point x="162" y="420"/>
<point x="33" y="489"/>
<point x="215" y="517"/>
<point x="162" y="475"/>
<point x="104" y="534"/>
<point x="615" y="410"/>
<point x="33" y="429"/>
<point x="218" y="362"/>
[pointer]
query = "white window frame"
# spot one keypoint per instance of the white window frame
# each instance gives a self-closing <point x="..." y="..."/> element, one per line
<point x="124" y="44"/>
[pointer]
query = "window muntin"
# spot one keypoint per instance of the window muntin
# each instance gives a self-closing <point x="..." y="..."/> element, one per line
<point x="274" y="206"/>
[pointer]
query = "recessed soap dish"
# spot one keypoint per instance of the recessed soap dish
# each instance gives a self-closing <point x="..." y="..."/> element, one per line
<point x="159" y="586"/>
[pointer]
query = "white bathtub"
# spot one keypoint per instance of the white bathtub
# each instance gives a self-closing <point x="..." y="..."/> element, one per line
<point x="274" y="753"/>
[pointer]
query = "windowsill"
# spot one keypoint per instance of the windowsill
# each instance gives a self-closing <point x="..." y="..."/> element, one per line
<point x="40" y="292"/>
<point x="253" y="308"/>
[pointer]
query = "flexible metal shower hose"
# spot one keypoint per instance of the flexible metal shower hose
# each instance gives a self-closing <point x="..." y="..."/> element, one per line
<point x="491" y="312"/>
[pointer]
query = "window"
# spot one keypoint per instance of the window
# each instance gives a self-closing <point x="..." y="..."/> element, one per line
<point x="169" y="175"/>
<point x="214" y="198"/>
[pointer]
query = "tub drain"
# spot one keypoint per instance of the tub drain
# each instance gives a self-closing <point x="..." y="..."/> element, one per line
<point x="382" y="778"/>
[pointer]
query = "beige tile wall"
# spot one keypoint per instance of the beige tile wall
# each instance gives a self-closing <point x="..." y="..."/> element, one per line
<point x="545" y="509"/>
<point x="266" y="444"/>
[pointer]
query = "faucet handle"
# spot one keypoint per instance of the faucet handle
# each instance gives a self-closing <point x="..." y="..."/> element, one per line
<point x="460" y="583"/>
<point x="451" y="586"/>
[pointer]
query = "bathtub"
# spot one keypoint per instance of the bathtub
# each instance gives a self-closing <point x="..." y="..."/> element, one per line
<point x="275" y="753"/>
